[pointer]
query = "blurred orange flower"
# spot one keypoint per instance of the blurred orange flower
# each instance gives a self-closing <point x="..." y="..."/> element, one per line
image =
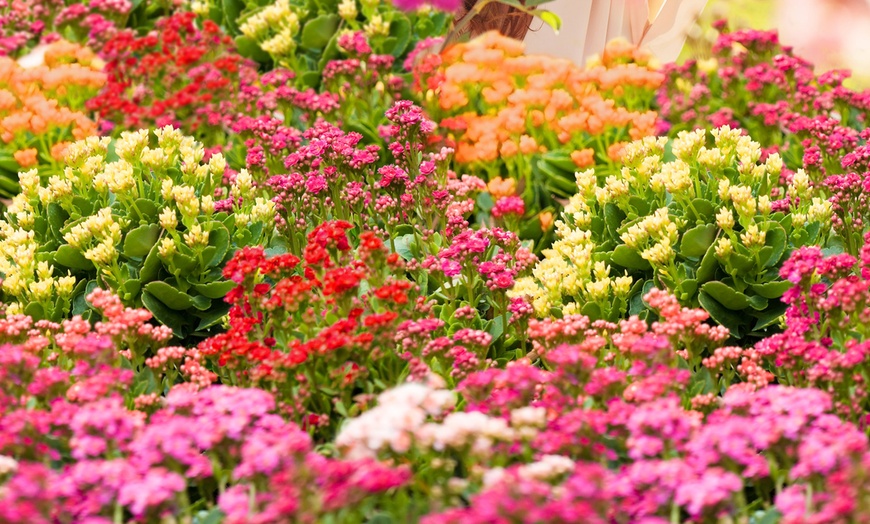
<point x="43" y="106"/>
<point x="584" y="157"/>
<point x="533" y="104"/>
<point x="26" y="157"/>
<point x="546" y="218"/>
<point x="500" y="187"/>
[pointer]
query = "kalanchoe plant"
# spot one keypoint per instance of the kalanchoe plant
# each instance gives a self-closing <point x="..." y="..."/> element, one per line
<point x="357" y="90"/>
<point x="137" y="216"/>
<point x="317" y="331"/>
<point x="824" y="344"/>
<point x="27" y="23"/>
<point x="80" y="442"/>
<point x="186" y="73"/>
<point x="534" y="118"/>
<point x="754" y="83"/>
<point x="704" y="225"/>
<point x="618" y="426"/>
<point x="42" y="109"/>
<point x="304" y="37"/>
<point x="411" y="195"/>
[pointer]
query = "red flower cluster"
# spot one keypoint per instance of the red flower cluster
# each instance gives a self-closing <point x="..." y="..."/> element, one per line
<point x="313" y="328"/>
<point x="177" y="75"/>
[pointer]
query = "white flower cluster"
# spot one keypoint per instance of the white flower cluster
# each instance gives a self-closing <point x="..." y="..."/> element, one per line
<point x="408" y="417"/>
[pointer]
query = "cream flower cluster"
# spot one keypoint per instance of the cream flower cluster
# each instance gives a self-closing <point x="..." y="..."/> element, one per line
<point x="727" y="174"/>
<point x="416" y="415"/>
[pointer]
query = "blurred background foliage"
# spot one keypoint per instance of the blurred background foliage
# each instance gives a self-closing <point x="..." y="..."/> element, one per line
<point x="832" y="34"/>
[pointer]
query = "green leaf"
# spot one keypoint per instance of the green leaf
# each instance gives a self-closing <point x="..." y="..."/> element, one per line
<point x="169" y="318"/>
<point x="776" y="239"/>
<point x="686" y="289"/>
<point x="698" y="240"/>
<point x="8" y="186"/>
<point x="812" y="231"/>
<point x="57" y="217"/>
<point x="560" y="159"/>
<point x="724" y="316"/>
<point x="35" y="310"/>
<point x="556" y="181"/>
<point x="551" y="19"/>
<point x="329" y="53"/>
<point x="703" y="210"/>
<point x="84" y="205"/>
<point x="151" y="266"/>
<point x="201" y="302"/>
<point x="215" y="290"/>
<point x="8" y="162"/>
<point x="400" y="31"/>
<point x="758" y="303"/>
<point x="591" y="310"/>
<point x="218" y="238"/>
<point x="836" y="245"/>
<point x="130" y="289"/>
<point x="185" y="263"/>
<point x="772" y="290"/>
<point x="741" y="263"/>
<point x="636" y="304"/>
<point x="726" y="295"/>
<point x="250" y="49"/>
<point x="403" y="246"/>
<point x="310" y="79"/>
<point x="495" y="327"/>
<point x="79" y="304"/>
<point x="145" y="210"/>
<point x="317" y="32"/>
<point x="771" y="516"/>
<point x="213" y="316"/>
<point x="68" y="256"/>
<point x="709" y="264"/>
<point x="613" y="217"/>
<point x="640" y="205"/>
<point x="40" y="226"/>
<point x="231" y="10"/>
<point x="139" y="241"/>
<point x="170" y="296"/>
<point x="629" y="258"/>
<point x="770" y="316"/>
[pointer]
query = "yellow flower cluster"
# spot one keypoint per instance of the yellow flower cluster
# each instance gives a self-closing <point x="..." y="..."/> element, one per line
<point x="655" y="237"/>
<point x="567" y="269"/>
<point x="163" y="172"/>
<point x="274" y="27"/>
<point x="97" y="237"/>
<point x="660" y="202"/>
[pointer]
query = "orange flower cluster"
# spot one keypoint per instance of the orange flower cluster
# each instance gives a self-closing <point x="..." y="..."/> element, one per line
<point x="499" y="102"/>
<point x="41" y="107"/>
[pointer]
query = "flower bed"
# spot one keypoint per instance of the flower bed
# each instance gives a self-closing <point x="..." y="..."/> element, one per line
<point x="343" y="275"/>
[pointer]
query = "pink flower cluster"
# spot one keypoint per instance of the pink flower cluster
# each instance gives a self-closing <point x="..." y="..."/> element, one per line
<point x="308" y="173"/>
<point x="264" y="468"/>
<point x="757" y="84"/>
<point x="824" y="343"/>
<point x="534" y="439"/>
<point x="444" y="5"/>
